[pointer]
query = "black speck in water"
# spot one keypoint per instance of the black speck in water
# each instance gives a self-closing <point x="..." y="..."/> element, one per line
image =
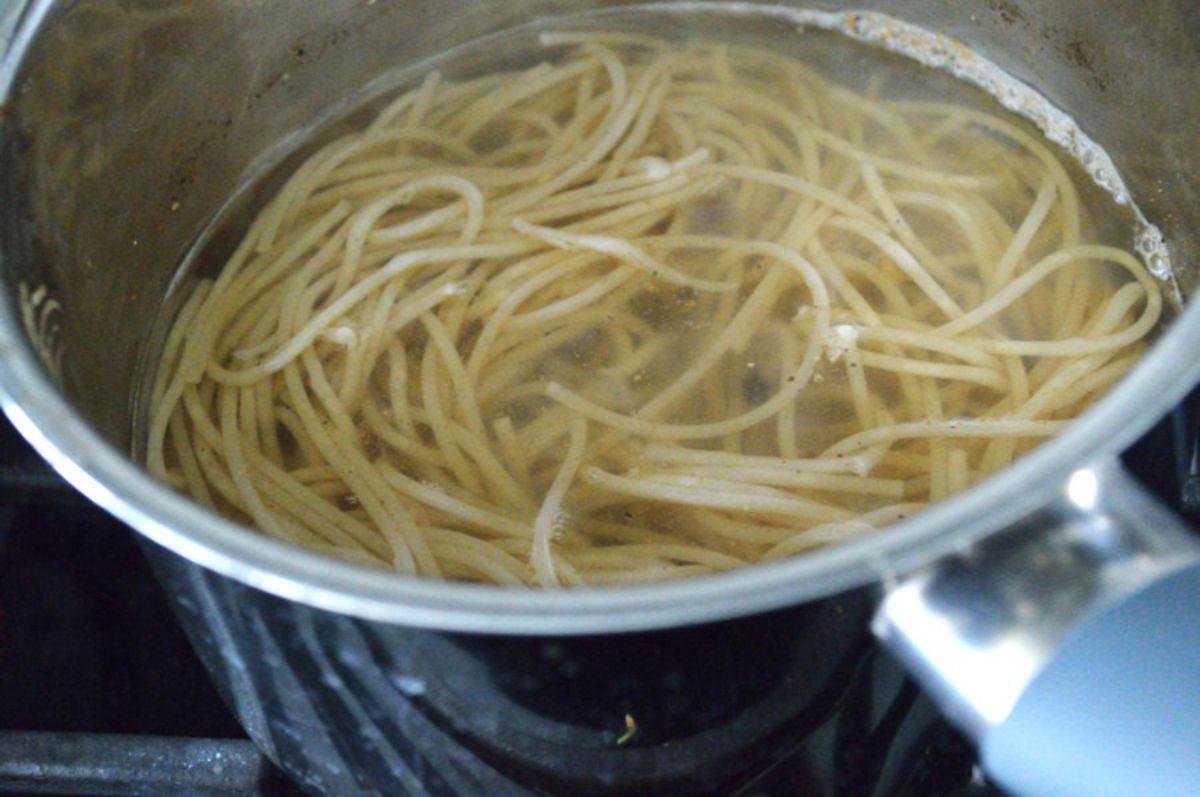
<point x="756" y="388"/>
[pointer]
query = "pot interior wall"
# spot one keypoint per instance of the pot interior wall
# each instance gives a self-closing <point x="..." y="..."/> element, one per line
<point x="129" y="124"/>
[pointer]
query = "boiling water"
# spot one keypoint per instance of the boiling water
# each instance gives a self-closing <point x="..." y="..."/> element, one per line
<point x="701" y="332"/>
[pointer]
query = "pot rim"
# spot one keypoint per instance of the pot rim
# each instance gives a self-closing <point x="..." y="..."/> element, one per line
<point x="114" y="482"/>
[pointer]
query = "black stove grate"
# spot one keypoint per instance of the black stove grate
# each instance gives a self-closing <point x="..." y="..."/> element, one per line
<point x="100" y="692"/>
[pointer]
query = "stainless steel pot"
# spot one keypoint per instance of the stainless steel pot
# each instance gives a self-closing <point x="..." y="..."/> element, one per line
<point x="125" y="125"/>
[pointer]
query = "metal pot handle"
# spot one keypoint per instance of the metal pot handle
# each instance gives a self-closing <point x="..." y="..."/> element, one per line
<point x="1067" y="647"/>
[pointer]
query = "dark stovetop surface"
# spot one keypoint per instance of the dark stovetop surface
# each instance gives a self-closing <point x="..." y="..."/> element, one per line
<point x="89" y="648"/>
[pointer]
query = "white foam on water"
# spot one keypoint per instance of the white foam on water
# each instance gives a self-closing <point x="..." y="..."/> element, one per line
<point x="950" y="55"/>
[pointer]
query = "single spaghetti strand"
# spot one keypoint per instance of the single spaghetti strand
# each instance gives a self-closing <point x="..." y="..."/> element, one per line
<point x="548" y="515"/>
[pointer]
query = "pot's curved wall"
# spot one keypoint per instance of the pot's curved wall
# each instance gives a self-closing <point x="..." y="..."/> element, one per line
<point x="349" y="707"/>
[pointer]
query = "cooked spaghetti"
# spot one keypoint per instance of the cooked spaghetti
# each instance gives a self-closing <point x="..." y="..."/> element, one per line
<point x="647" y="311"/>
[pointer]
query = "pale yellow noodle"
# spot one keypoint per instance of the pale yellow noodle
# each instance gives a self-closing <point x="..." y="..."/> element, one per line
<point x="640" y="311"/>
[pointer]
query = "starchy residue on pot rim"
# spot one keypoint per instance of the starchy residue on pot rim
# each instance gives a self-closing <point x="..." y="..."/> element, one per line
<point x="943" y="52"/>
